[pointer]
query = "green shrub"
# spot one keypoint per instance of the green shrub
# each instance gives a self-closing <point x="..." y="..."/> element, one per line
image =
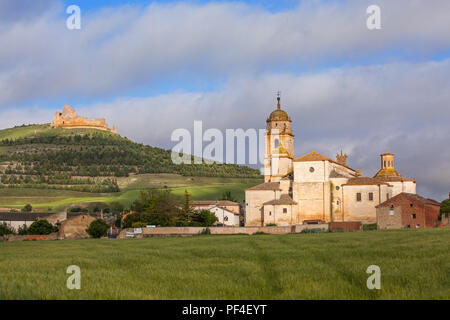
<point x="313" y="230"/>
<point x="205" y="231"/>
<point x="138" y="224"/>
<point x="271" y="225"/>
<point x="369" y="227"/>
<point x="98" y="228"/>
<point x="27" y="208"/>
<point x="23" y="230"/>
<point x="42" y="227"/>
<point x="5" y="229"/>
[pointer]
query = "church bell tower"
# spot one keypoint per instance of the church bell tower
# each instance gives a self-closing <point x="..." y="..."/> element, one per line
<point x="279" y="145"/>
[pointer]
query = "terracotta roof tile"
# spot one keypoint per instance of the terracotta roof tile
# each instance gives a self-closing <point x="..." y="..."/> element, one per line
<point x="314" y="156"/>
<point x="411" y="196"/>
<point x="214" y="202"/>
<point x="364" y="181"/>
<point x="266" y="186"/>
<point x="284" y="200"/>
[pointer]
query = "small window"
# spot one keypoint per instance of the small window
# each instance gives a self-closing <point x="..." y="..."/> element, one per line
<point x="270" y="213"/>
<point x="337" y="202"/>
<point x="311" y="169"/>
<point x="371" y="196"/>
<point x="337" y="187"/>
<point x="387" y="196"/>
<point x="358" y="196"/>
<point x="277" y="143"/>
<point x="284" y="210"/>
<point x="411" y="205"/>
<point x="391" y="211"/>
<point x="225" y="219"/>
<point x="417" y="226"/>
<point x="413" y="216"/>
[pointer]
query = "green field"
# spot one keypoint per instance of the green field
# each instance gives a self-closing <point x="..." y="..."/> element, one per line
<point x="201" y="188"/>
<point x="414" y="264"/>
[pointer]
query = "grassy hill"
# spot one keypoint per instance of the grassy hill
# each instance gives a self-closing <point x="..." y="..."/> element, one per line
<point x="414" y="265"/>
<point x="88" y="165"/>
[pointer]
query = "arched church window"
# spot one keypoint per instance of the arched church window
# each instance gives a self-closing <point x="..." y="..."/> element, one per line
<point x="277" y="143"/>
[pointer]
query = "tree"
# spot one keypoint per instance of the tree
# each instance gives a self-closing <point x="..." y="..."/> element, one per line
<point x="187" y="211"/>
<point x="227" y="196"/>
<point x="205" y="217"/>
<point x="42" y="227"/>
<point x="27" y="208"/>
<point x="98" y="228"/>
<point x="445" y="208"/>
<point x="116" y="207"/>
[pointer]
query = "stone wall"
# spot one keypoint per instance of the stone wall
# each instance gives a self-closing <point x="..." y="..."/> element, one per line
<point x="190" y="231"/>
<point x="75" y="228"/>
<point x="346" y="226"/>
<point x="388" y="218"/>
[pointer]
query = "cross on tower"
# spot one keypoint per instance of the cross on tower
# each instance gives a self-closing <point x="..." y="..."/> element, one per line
<point x="278" y="98"/>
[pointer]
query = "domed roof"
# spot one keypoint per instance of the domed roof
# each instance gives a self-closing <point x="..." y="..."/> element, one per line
<point x="278" y="114"/>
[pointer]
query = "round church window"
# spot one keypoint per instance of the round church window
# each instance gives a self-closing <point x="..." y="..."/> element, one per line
<point x="311" y="169"/>
<point x="337" y="187"/>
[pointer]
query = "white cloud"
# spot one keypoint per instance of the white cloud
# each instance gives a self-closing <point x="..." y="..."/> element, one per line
<point x="120" y="48"/>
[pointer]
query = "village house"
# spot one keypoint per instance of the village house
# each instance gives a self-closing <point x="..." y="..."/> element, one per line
<point x="15" y="220"/>
<point x="408" y="210"/>
<point x="227" y="212"/>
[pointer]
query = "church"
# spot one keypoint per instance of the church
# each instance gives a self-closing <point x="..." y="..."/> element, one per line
<point x="313" y="186"/>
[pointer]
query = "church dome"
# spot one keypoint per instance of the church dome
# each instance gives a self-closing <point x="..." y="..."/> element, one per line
<point x="278" y="114"/>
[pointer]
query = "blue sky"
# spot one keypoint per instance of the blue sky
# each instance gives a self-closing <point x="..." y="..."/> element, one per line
<point x="153" y="67"/>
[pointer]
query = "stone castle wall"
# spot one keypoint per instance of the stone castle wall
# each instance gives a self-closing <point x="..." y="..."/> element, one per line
<point x="68" y="119"/>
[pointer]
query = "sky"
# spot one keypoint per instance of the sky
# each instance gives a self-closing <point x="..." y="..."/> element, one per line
<point x="151" y="67"/>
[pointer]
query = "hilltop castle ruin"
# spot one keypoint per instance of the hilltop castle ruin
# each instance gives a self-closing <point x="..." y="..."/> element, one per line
<point x="68" y="119"/>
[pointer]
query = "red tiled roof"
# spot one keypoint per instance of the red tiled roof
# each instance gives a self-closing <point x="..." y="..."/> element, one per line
<point x="314" y="156"/>
<point x="284" y="200"/>
<point x="364" y="181"/>
<point x="412" y="197"/>
<point x="266" y="186"/>
<point x="214" y="202"/>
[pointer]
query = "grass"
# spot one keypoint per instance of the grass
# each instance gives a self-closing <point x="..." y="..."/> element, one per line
<point x="414" y="265"/>
<point x="22" y="132"/>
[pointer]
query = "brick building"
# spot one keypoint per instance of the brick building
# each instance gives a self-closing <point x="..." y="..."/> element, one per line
<point x="408" y="210"/>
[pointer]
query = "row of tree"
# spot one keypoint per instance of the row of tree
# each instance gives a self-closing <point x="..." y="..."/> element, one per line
<point x="102" y="154"/>
<point x="161" y="208"/>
